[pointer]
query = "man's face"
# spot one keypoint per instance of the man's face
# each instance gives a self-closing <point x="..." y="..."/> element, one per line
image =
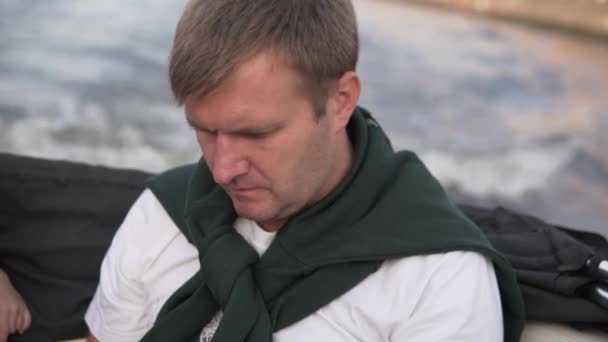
<point x="264" y="145"/>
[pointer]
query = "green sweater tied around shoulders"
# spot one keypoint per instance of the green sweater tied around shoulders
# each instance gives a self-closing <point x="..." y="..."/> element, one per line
<point x="388" y="206"/>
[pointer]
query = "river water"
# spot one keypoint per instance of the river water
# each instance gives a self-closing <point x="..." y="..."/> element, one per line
<point x="502" y="114"/>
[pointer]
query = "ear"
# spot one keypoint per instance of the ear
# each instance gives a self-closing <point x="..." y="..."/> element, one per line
<point x="344" y="98"/>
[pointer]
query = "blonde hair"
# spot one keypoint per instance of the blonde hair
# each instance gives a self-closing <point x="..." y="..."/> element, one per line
<point x="318" y="38"/>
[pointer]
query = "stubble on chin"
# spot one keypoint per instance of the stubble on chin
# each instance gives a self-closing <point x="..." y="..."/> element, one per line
<point x="266" y="213"/>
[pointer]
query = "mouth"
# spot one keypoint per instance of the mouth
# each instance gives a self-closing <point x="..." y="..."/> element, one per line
<point x="242" y="191"/>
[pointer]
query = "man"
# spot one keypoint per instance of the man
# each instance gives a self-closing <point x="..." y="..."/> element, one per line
<point x="299" y="223"/>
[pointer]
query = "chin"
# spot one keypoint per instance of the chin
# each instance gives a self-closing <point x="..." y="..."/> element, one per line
<point x="251" y="211"/>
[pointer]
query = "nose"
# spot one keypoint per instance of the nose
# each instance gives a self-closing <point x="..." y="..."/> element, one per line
<point x="228" y="161"/>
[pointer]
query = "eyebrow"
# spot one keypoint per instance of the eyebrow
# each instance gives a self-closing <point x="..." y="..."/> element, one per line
<point x="238" y="131"/>
<point x="198" y="126"/>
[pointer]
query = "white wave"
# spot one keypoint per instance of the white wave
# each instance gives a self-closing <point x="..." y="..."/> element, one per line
<point x="509" y="174"/>
<point x="95" y="140"/>
<point x="35" y="137"/>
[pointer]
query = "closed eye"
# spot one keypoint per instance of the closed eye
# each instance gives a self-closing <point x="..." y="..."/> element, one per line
<point x="250" y="133"/>
<point x="255" y="135"/>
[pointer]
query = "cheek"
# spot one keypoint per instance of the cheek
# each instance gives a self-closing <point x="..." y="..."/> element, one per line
<point x="206" y="145"/>
<point x="277" y="159"/>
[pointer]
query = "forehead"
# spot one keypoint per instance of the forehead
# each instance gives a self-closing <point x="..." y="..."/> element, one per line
<point x="261" y="86"/>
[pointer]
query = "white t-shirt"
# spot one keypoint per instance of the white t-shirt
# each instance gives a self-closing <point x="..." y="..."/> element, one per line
<point x="439" y="297"/>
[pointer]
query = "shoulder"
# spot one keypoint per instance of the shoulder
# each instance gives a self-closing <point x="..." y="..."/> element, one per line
<point x="170" y="188"/>
<point x="409" y="279"/>
<point x="427" y="266"/>
<point x="456" y="275"/>
<point x="149" y="258"/>
<point x="145" y="233"/>
<point x="178" y="176"/>
<point x="147" y="216"/>
<point x="413" y="296"/>
<point x="457" y="290"/>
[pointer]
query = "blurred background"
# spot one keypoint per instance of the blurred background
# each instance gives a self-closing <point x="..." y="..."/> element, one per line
<point x="506" y="101"/>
